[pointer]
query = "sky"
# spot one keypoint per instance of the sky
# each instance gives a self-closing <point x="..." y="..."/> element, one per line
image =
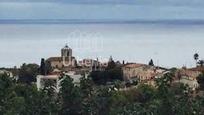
<point x="103" y="9"/>
<point x="147" y="38"/>
<point x="168" y="45"/>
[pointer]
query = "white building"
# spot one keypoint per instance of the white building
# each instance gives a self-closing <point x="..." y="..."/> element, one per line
<point x="188" y="77"/>
<point x="141" y="71"/>
<point x="8" y="73"/>
<point x="87" y="63"/>
<point x="57" y="79"/>
<point x="192" y="83"/>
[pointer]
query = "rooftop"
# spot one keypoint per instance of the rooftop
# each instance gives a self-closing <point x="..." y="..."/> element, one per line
<point x="199" y="68"/>
<point x="133" y="65"/>
<point x="59" y="58"/>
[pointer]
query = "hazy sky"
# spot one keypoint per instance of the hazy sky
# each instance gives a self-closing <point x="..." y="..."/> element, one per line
<point x="147" y="40"/>
<point x="102" y="9"/>
<point x="167" y="45"/>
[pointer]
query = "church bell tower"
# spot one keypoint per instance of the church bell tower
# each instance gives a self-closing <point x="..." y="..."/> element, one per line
<point x="66" y="51"/>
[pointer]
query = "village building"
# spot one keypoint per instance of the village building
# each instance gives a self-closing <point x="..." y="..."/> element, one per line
<point x="92" y="65"/>
<point x="8" y="73"/>
<point x="88" y="63"/>
<point x="66" y="60"/>
<point x="142" y="73"/>
<point x="188" y="77"/>
<point x="57" y="77"/>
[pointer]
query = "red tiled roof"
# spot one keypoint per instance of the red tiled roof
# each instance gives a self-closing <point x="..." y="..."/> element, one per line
<point x="200" y="69"/>
<point x="59" y="58"/>
<point x="187" y="72"/>
<point x="133" y="65"/>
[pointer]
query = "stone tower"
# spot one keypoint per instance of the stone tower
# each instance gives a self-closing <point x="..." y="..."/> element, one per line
<point x="66" y="51"/>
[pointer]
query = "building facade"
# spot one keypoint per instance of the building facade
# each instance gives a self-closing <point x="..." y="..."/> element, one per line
<point x="141" y="72"/>
<point x="57" y="78"/>
<point x="188" y="77"/>
<point x="66" y="60"/>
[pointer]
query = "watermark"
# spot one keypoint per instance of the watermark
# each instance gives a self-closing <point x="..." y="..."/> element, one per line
<point x="89" y="41"/>
<point x="83" y="41"/>
<point x="69" y="61"/>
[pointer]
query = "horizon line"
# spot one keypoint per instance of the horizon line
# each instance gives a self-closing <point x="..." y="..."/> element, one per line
<point x="102" y="21"/>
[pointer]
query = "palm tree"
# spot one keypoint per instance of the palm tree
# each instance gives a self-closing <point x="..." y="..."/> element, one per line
<point x="196" y="57"/>
<point x="201" y="63"/>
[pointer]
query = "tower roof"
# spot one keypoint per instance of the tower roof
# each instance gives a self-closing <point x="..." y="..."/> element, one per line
<point x="66" y="47"/>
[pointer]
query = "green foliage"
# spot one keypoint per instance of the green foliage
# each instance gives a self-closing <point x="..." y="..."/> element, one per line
<point x="70" y="97"/>
<point x="196" y="56"/>
<point x="200" y="63"/>
<point x="28" y="72"/>
<point x="45" y="67"/>
<point x="24" y="99"/>
<point x="90" y="99"/>
<point x="200" y="80"/>
<point x="10" y="103"/>
<point x="151" y="63"/>
<point x="109" y="75"/>
<point x="87" y="93"/>
<point x="111" y="65"/>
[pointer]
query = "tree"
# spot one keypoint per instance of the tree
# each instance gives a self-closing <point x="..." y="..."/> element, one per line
<point x="28" y="73"/>
<point x="42" y="67"/>
<point x="87" y="92"/>
<point x="45" y="67"/>
<point x="90" y="99"/>
<point x="196" y="57"/>
<point x="49" y="94"/>
<point x="70" y="97"/>
<point x="201" y="63"/>
<point x="48" y="67"/>
<point x="10" y="103"/>
<point x="200" y="80"/>
<point x="111" y="64"/>
<point x="151" y="63"/>
<point x="109" y="75"/>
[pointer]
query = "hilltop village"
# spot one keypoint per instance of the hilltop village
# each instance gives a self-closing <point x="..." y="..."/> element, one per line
<point x="105" y="73"/>
<point x="64" y="85"/>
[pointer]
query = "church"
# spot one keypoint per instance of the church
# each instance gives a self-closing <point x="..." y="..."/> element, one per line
<point x="66" y="60"/>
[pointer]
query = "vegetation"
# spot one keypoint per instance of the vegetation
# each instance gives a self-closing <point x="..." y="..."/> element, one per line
<point x="28" y="73"/>
<point x="198" y="62"/>
<point x="112" y="73"/>
<point x="45" y="67"/>
<point x="109" y="75"/>
<point x="196" y="57"/>
<point x="151" y="63"/>
<point x="90" y="99"/>
<point x="200" y="80"/>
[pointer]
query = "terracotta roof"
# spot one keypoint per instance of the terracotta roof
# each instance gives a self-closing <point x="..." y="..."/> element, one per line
<point x="187" y="72"/>
<point x="200" y="69"/>
<point x="133" y="65"/>
<point x="58" y="58"/>
<point x="54" y="77"/>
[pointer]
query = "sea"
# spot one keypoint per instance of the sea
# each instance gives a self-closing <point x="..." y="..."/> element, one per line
<point x="168" y="43"/>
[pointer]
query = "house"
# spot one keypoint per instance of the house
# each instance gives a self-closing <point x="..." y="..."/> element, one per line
<point x="141" y="71"/>
<point x="198" y="68"/>
<point x="187" y="77"/>
<point x="144" y="73"/>
<point x="87" y="63"/>
<point x="57" y="78"/>
<point x="92" y="65"/>
<point x="8" y="73"/>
